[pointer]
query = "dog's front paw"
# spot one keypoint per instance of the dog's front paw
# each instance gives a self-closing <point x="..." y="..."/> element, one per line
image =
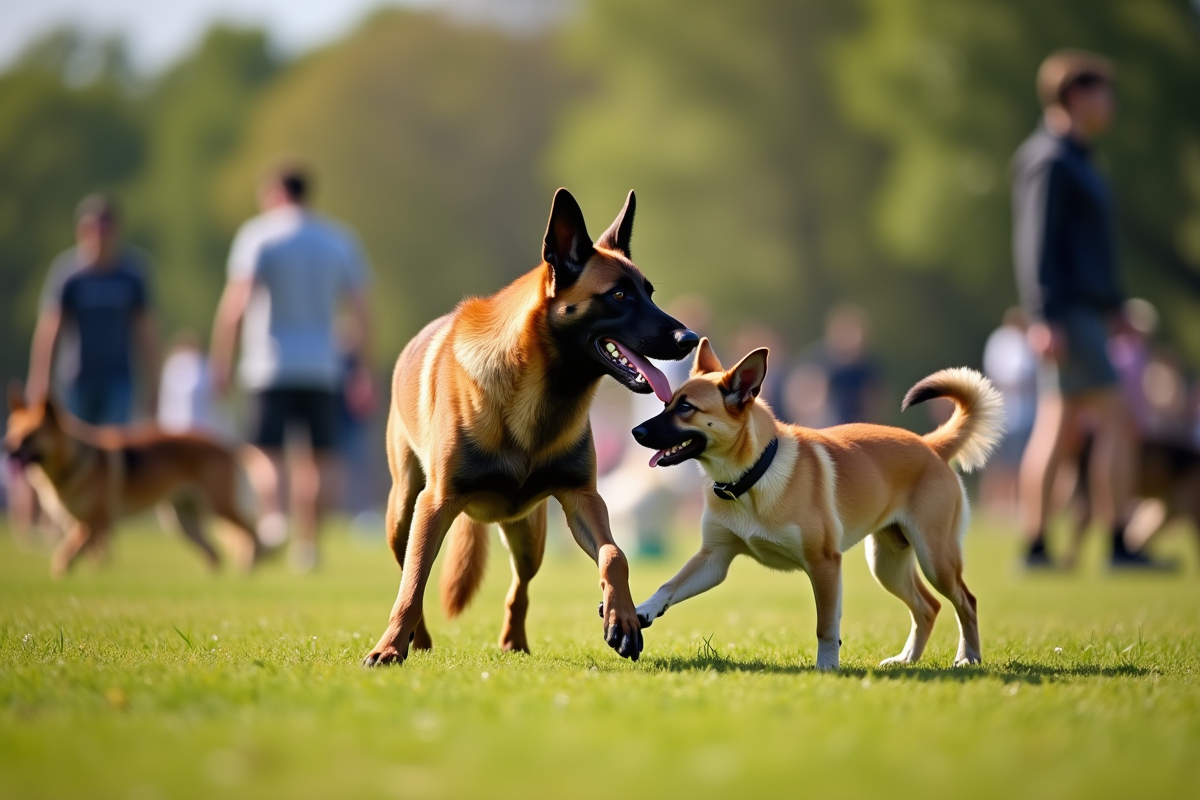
<point x="382" y="656"/>
<point x="623" y="632"/>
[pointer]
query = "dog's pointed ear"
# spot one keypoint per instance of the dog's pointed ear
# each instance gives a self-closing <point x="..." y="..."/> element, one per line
<point x="743" y="383"/>
<point x="706" y="359"/>
<point x="567" y="246"/>
<point x="619" y="234"/>
<point x="16" y="395"/>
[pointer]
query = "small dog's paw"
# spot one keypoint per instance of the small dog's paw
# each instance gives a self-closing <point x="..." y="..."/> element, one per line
<point x="382" y="656"/>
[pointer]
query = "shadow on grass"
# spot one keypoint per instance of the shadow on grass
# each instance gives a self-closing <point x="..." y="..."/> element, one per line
<point x="1008" y="671"/>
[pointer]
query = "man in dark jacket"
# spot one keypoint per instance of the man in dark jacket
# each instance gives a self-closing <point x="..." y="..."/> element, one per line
<point x="1064" y="249"/>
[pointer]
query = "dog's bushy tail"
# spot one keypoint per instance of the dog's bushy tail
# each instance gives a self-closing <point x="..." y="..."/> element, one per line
<point x="977" y="424"/>
<point x="466" y="562"/>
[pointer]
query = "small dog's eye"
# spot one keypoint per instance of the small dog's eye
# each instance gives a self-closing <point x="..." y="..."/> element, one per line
<point x="685" y="407"/>
<point x="618" y="295"/>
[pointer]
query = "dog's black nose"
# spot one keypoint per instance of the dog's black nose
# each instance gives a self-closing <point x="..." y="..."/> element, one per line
<point x="640" y="433"/>
<point x="686" y="339"/>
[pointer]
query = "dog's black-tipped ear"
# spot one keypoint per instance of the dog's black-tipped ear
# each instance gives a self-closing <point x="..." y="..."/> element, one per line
<point x="16" y="395"/>
<point x="567" y="246"/>
<point x="619" y="234"/>
<point x="743" y="383"/>
<point x="706" y="359"/>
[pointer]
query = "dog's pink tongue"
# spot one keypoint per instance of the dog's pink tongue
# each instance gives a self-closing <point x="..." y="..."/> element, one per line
<point x="658" y="382"/>
<point x="657" y="457"/>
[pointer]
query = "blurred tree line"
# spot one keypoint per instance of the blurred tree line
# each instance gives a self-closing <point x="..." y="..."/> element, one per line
<point x="787" y="156"/>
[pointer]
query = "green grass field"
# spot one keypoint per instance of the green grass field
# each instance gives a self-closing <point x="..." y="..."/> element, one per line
<point x="151" y="678"/>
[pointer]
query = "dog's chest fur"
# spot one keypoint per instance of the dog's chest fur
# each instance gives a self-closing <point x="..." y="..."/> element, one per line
<point x="774" y="543"/>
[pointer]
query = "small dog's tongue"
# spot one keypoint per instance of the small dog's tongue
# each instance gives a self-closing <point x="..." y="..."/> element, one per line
<point x="657" y="457"/>
<point x="658" y="382"/>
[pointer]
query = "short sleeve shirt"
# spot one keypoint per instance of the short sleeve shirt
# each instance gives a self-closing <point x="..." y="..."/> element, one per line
<point x="301" y="266"/>
<point x="99" y="308"/>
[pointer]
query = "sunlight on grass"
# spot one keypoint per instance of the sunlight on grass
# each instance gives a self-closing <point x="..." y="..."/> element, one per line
<point x="150" y="678"/>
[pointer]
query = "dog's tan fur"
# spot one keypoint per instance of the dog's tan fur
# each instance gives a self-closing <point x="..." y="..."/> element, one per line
<point x="482" y="431"/>
<point x="829" y="489"/>
<point x="100" y="475"/>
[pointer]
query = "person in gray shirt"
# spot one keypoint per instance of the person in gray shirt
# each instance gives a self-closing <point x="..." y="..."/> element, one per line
<point x="291" y="272"/>
<point x="1066" y="267"/>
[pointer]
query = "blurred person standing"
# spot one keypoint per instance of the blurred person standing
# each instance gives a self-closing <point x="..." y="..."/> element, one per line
<point x="1065" y="259"/>
<point x="290" y="271"/>
<point x="185" y="392"/>
<point x="852" y="385"/>
<point x="95" y="321"/>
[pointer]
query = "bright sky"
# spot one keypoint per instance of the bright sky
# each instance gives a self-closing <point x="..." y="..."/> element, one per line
<point x="159" y="31"/>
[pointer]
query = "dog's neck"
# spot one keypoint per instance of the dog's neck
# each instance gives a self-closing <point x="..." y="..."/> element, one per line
<point x="760" y="428"/>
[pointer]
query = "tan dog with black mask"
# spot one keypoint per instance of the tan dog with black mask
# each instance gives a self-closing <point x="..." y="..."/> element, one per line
<point x="795" y="498"/>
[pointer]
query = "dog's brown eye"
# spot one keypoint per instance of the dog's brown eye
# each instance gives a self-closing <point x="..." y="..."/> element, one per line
<point x="618" y="295"/>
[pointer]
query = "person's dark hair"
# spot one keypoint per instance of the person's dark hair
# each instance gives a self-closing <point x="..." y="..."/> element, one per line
<point x="97" y="206"/>
<point x="293" y="179"/>
<point x="1065" y="70"/>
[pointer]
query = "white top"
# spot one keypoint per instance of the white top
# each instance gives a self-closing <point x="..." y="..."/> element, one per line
<point x="185" y="395"/>
<point x="302" y="266"/>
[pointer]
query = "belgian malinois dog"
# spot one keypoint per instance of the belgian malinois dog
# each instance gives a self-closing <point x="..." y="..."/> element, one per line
<point x="101" y="474"/>
<point x="489" y="417"/>
<point x="794" y="498"/>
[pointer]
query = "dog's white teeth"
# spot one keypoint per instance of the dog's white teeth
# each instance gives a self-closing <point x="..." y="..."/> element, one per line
<point x="612" y="348"/>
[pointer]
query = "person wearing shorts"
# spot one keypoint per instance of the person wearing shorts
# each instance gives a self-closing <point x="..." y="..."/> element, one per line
<point x="1065" y="258"/>
<point x="290" y="274"/>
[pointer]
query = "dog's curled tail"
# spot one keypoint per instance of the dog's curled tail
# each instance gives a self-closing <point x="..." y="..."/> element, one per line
<point x="977" y="424"/>
<point x="466" y="562"/>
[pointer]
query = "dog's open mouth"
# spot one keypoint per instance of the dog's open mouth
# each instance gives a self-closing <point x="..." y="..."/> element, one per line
<point x="636" y="372"/>
<point x="677" y="454"/>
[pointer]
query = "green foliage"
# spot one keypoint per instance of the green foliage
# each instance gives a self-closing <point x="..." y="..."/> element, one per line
<point x="948" y="89"/>
<point x="787" y="156"/>
<point x="425" y="137"/>
<point x="153" y="678"/>
<point x="58" y="141"/>
<point x="194" y="117"/>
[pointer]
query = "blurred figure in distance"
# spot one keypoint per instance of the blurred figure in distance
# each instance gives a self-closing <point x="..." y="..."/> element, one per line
<point x="290" y="273"/>
<point x="1063" y="244"/>
<point x="1010" y="363"/>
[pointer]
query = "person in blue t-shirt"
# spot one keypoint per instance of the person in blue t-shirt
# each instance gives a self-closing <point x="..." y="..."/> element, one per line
<point x="95" y="323"/>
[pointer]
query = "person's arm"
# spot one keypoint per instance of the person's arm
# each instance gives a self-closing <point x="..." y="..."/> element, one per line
<point x="360" y="387"/>
<point x="145" y="334"/>
<point x="1048" y="232"/>
<point x="41" y="357"/>
<point x="230" y="311"/>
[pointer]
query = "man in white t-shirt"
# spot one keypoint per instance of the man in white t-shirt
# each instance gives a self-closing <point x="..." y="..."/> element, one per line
<point x="290" y="273"/>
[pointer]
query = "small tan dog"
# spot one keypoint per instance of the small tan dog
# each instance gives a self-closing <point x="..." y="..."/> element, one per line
<point x="100" y="475"/>
<point x="795" y="498"/>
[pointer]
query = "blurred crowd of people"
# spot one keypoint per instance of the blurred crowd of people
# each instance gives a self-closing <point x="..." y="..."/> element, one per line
<point x="1100" y="410"/>
<point x="295" y="300"/>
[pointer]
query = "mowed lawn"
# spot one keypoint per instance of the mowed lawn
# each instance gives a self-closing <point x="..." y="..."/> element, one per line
<point x="151" y="678"/>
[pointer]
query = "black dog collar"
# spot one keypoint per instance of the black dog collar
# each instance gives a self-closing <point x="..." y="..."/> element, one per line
<point x="732" y="491"/>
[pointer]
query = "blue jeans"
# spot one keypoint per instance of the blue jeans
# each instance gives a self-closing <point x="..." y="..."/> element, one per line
<point x="109" y="404"/>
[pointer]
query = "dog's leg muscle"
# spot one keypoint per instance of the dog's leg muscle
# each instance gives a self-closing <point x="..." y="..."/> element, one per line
<point x="894" y="565"/>
<point x="431" y="519"/>
<point x="587" y="517"/>
<point x="526" y="540"/>
<point x="184" y="514"/>
<point x="408" y="480"/>
<point x="69" y="549"/>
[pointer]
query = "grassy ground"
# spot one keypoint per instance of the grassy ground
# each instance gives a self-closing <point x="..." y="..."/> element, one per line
<point x="152" y="679"/>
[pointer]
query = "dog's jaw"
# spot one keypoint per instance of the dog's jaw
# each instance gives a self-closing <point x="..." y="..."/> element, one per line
<point x="632" y="369"/>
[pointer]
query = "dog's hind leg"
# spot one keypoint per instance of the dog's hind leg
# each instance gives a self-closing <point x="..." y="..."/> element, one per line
<point x="184" y="513"/>
<point x="939" y="552"/>
<point x="526" y="540"/>
<point x="894" y="565"/>
<point x="78" y="537"/>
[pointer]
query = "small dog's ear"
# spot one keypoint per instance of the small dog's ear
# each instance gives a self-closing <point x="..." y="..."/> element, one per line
<point x="706" y="360"/>
<point x="743" y="383"/>
<point x="16" y="395"/>
<point x="619" y="234"/>
<point x="567" y="246"/>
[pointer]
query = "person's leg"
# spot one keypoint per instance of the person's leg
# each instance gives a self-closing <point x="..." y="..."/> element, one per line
<point x="264" y="461"/>
<point x="1111" y="468"/>
<point x="309" y="469"/>
<point x="1039" y="466"/>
